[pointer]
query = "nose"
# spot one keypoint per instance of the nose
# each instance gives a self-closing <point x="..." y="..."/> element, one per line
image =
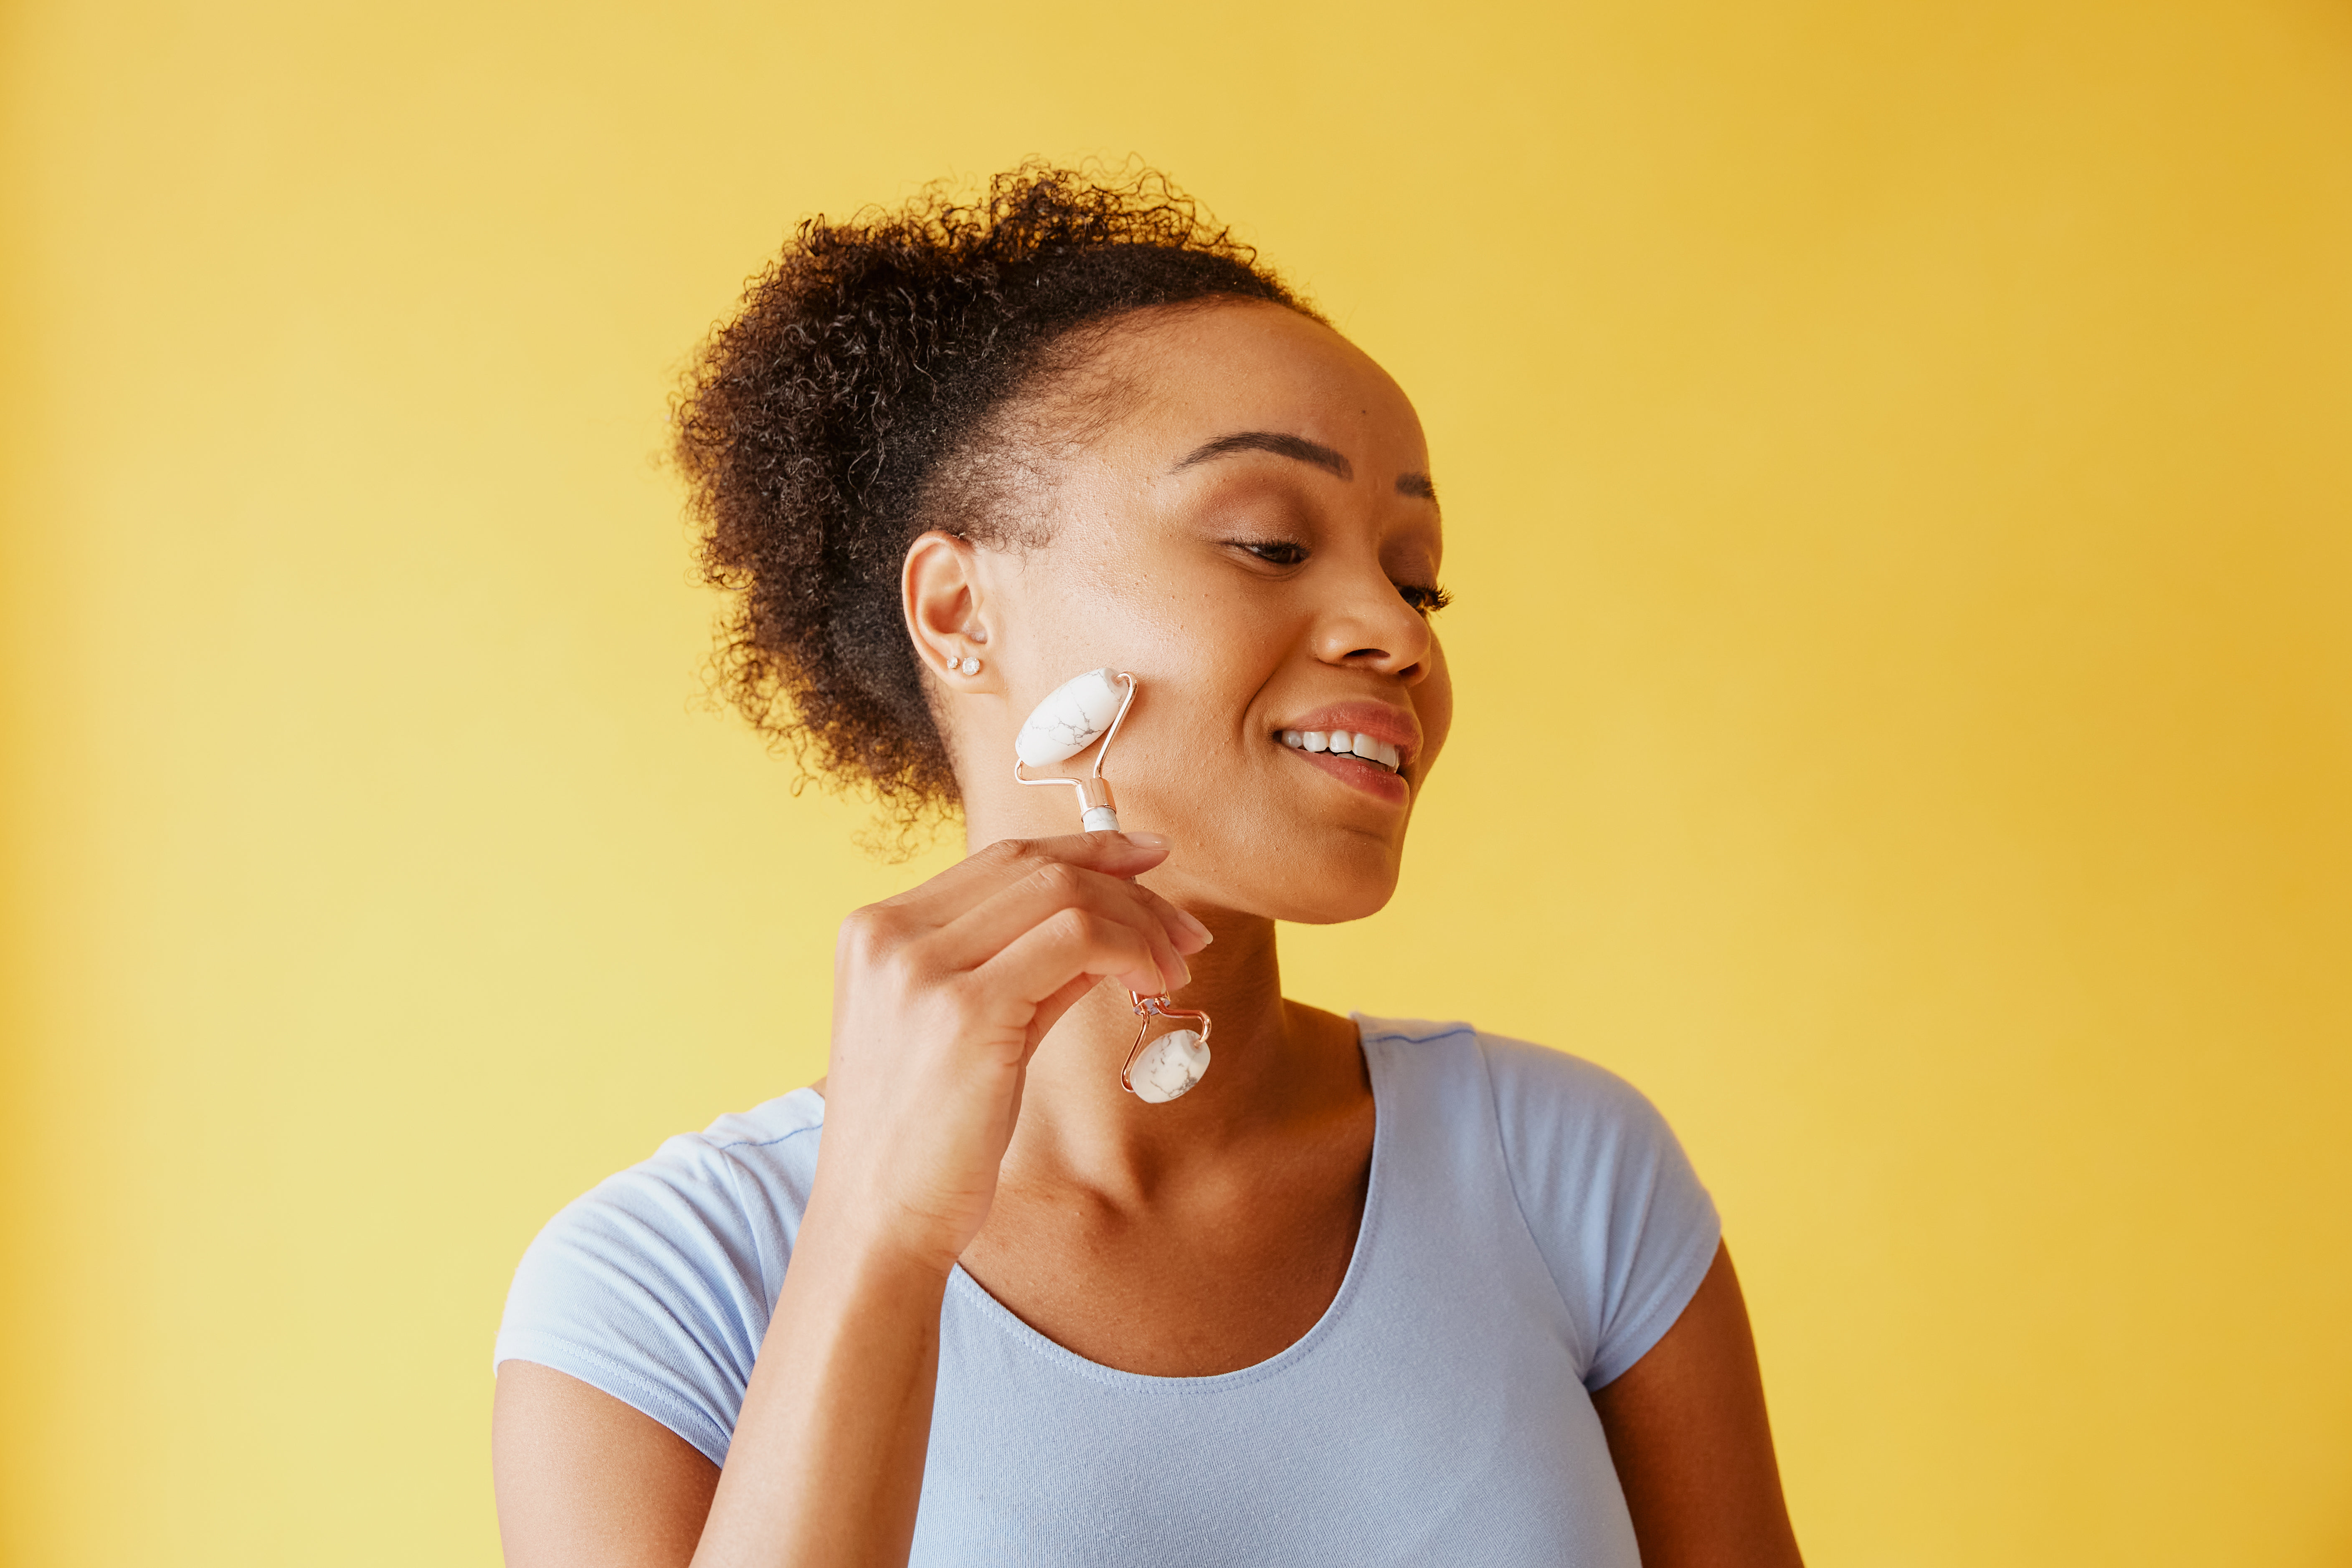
<point x="1369" y="627"/>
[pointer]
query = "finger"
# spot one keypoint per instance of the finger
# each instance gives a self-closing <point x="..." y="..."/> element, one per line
<point x="980" y="933"/>
<point x="1050" y="1010"/>
<point x="1066" y="946"/>
<point x="977" y="876"/>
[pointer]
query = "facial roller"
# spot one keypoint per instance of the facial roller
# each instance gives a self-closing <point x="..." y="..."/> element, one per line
<point x="1079" y="712"/>
<point x="1067" y="723"/>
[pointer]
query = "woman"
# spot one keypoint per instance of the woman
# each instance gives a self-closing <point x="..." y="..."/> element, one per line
<point x="1370" y="1292"/>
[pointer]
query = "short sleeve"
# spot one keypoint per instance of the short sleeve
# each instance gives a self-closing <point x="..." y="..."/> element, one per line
<point x="655" y="1288"/>
<point x="1616" y="1211"/>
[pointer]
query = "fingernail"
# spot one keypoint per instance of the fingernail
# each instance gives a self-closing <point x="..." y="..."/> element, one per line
<point x="1146" y="840"/>
<point x="1196" y="927"/>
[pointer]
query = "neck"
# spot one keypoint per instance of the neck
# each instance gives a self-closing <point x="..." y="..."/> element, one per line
<point x="1274" y="1066"/>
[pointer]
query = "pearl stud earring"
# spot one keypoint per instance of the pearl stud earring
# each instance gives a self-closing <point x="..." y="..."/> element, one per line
<point x="969" y="666"/>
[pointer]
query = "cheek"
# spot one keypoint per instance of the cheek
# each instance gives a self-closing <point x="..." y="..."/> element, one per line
<point x="1065" y="627"/>
<point x="1432" y="704"/>
<point x="1203" y="661"/>
<point x="1254" y="834"/>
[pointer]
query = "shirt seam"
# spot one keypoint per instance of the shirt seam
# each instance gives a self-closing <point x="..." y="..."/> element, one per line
<point x="750" y="1226"/>
<point x="1441" y="1031"/>
<point x="817" y="1126"/>
<point x="1519" y="1204"/>
<point x="1063" y="1358"/>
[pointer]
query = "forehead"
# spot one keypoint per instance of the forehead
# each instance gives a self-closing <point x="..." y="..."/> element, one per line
<point x="1186" y="375"/>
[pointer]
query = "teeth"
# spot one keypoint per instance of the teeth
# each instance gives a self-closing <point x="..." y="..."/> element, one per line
<point x="1340" y="742"/>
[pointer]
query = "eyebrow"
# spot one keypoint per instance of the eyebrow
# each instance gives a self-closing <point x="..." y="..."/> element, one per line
<point x="1281" y="445"/>
<point x="1300" y="449"/>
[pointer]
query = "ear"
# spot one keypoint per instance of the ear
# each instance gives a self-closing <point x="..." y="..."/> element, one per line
<point x="940" y="593"/>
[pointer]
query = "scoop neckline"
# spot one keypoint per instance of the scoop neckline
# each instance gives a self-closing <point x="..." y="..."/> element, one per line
<point x="1009" y="1322"/>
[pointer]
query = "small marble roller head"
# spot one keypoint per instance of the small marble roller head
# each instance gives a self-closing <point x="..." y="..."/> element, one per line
<point x="1169" y="1067"/>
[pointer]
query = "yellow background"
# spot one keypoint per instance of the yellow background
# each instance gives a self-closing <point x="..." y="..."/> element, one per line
<point x="1899" y="462"/>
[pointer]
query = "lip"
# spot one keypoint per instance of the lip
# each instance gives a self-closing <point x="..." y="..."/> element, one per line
<point x="1394" y="726"/>
<point x="1381" y="721"/>
<point x="1358" y="775"/>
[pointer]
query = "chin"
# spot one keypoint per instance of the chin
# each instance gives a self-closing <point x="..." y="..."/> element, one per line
<point x="1335" y="911"/>
<point x="1343" y="877"/>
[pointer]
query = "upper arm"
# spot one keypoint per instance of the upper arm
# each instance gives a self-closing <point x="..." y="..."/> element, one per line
<point x="585" y="1481"/>
<point x="1622" y="1220"/>
<point x="1693" y="1446"/>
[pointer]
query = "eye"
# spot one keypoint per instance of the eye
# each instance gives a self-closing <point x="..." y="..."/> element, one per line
<point x="1426" y="600"/>
<point x="1273" y="552"/>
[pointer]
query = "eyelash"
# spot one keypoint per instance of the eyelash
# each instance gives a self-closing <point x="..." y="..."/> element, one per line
<point x="1425" y="601"/>
<point x="1266" y="550"/>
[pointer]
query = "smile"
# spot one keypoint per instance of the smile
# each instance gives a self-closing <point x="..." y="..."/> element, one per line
<point x="1340" y="743"/>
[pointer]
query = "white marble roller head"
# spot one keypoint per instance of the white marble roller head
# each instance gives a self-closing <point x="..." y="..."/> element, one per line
<point x="1070" y="719"/>
<point x="1169" y="1067"/>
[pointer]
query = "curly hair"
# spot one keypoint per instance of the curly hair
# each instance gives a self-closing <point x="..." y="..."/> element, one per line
<point x="862" y="394"/>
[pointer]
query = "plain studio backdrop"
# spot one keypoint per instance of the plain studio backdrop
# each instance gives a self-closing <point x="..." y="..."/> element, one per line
<point x="1899" y="461"/>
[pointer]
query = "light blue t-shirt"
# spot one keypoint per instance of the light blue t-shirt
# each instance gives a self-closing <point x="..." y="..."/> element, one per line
<point x="1530" y="1229"/>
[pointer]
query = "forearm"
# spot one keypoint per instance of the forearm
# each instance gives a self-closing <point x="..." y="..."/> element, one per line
<point x="939" y="997"/>
<point x="826" y="1463"/>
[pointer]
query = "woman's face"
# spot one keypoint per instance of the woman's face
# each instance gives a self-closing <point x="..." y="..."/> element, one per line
<point x="1247" y="525"/>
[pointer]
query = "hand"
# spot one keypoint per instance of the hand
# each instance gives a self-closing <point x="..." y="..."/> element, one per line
<point x="941" y="994"/>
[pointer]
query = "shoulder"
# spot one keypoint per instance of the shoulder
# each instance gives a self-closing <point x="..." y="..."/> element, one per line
<point x="1532" y="1085"/>
<point x="744" y="1169"/>
<point x="1605" y="1189"/>
<point x="657" y="1283"/>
